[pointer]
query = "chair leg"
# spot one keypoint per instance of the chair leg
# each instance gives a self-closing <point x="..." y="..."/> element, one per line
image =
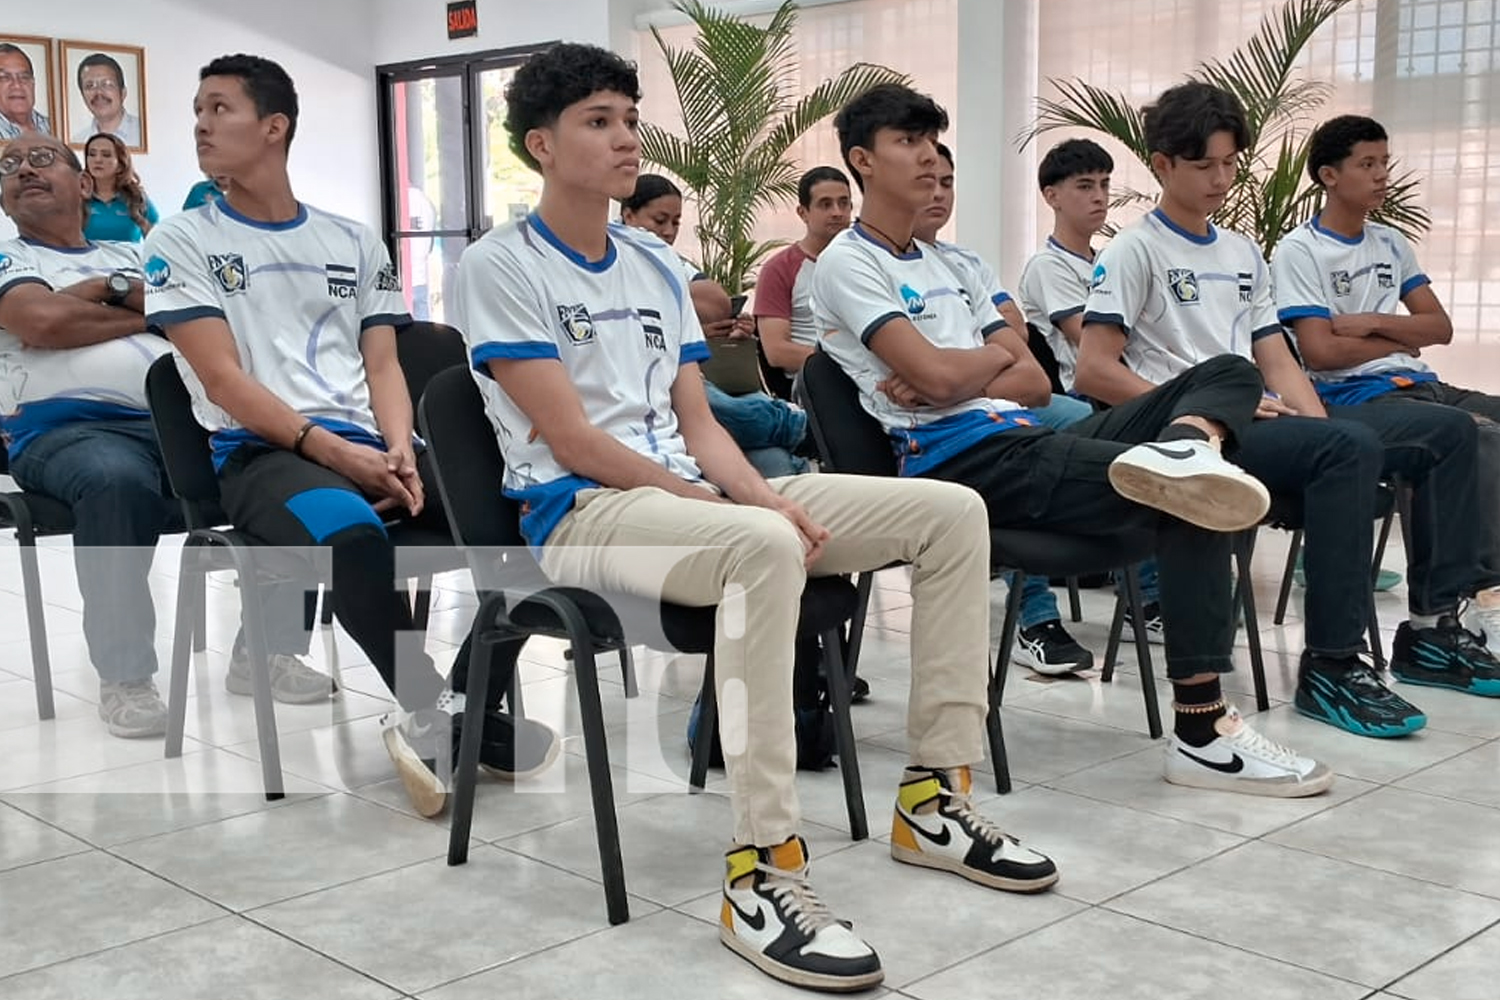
<point x="627" y="672"/>
<point x="200" y="615"/>
<point x="862" y="587"/>
<point x="708" y="729"/>
<point x="190" y="594"/>
<point x="421" y="605"/>
<point x="1377" y="651"/>
<point x="596" y="750"/>
<point x="260" y="672"/>
<point x="1244" y="550"/>
<point x="1288" y="576"/>
<point x="843" y="729"/>
<point x="998" y="672"/>
<point x="1143" y="654"/>
<point x="36" y="619"/>
<point x="1075" y="605"/>
<point x="1116" y="630"/>
<point x="327" y="617"/>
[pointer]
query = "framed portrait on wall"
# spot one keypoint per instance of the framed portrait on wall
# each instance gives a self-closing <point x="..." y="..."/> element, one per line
<point x="101" y="88"/>
<point x="27" y="86"/>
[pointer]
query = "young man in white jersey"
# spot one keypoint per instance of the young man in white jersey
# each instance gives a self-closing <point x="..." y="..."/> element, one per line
<point x="283" y="318"/>
<point x="1172" y="290"/>
<point x="949" y="381"/>
<point x="783" y="298"/>
<point x="1362" y="310"/>
<point x="586" y="346"/>
<point x="1042" y="642"/>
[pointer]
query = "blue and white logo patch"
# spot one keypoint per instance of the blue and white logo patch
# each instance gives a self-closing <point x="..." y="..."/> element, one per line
<point x="1100" y="273"/>
<point x="5" y="263"/>
<point x="1184" y="285"/>
<point x="229" y="271"/>
<point x="916" y="304"/>
<point x="1342" y="285"/>
<point x="577" y="324"/>
<point x="158" y="272"/>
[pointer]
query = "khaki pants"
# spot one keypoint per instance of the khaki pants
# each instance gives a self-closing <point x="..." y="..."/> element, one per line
<point x="749" y="561"/>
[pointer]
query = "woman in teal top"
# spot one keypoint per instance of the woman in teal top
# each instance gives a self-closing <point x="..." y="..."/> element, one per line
<point x="118" y="208"/>
<point x="204" y="191"/>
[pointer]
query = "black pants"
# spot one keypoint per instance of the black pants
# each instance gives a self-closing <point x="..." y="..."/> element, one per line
<point x="287" y="501"/>
<point x="1035" y="478"/>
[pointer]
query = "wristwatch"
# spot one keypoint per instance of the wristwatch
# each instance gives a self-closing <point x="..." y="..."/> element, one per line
<point x="118" y="283"/>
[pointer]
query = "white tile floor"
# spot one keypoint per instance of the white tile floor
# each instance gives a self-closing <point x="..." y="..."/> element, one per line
<point x="129" y="876"/>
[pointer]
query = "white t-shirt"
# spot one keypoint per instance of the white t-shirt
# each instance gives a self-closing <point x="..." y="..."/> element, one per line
<point x="1181" y="298"/>
<point x="859" y="286"/>
<point x="622" y="327"/>
<point x="1054" y="286"/>
<point x="1322" y="274"/>
<point x="43" y="388"/>
<point x="297" y="296"/>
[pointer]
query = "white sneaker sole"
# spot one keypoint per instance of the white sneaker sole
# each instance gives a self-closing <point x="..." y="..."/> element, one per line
<point x="1020" y="654"/>
<point x="939" y="862"/>
<point x="1277" y="788"/>
<point x="429" y="796"/>
<point x="795" y="976"/>
<point x="1218" y="501"/>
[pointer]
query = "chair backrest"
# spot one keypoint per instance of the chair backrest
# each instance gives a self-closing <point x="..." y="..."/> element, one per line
<point x="1036" y="340"/>
<point x="424" y="349"/>
<point x="184" y="444"/>
<point x="777" y="382"/>
<point x="466" y="459"/>
<point x="849" y="439"/>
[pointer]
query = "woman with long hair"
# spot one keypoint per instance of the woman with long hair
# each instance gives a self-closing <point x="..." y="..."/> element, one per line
<point x="118" y="208"/>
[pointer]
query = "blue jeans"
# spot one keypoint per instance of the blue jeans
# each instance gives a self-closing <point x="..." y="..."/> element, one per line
<point x="1037" y="601"/>
<point x="766" y="429"/>
<point x="110" y="473"/>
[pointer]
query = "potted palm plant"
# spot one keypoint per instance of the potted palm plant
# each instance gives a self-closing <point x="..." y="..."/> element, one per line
<point x="1272" y="194"/>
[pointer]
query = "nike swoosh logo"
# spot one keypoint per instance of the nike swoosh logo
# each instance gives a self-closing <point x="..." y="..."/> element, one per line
<point x="1172" y="452"/>
<point x="755" y="921"/>
<point x="940" y="839"/>
<point x="1234" y="765"/>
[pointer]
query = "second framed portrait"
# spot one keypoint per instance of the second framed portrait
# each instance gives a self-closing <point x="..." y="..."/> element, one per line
<point x="102" y="88"/>
<point x="26" y="86"/>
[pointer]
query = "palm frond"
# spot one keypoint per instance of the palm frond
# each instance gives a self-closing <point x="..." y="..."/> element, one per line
<point x="1083" y="105"/>
<point x="1401" y="211"/>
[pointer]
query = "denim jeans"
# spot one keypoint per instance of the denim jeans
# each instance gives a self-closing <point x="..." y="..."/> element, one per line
<point x="110" y="473"/>
<point x="766" y="429"/>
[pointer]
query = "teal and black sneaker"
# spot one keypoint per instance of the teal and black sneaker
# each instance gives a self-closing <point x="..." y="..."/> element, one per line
<point x="1345" y="692"/>
<point x="1446" y="655"/>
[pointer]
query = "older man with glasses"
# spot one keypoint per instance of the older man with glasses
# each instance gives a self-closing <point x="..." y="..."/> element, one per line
<point x="18" y="111"/>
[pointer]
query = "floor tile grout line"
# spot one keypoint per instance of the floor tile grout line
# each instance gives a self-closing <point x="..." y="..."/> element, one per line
<point x="1440" y="955"/>
<point x="114" y="947"/>
<point x="1312" y="852"/>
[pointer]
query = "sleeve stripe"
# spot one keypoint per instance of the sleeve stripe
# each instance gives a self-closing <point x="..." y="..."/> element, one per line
<point x="172" y="317"/>
<point x="385" y="319"/>
<point x="875" y="325"/>
<point x="1063" y="314"/>
<point x="1413" y="283"/>
<point x="18" y="282"/>
<point x="695" y="351"/>
<point x="994" y="327"/>
<point x="483" y="354"/>
<point x="1291" y="313"/>
<point x="1000" y="298"/>
<point x="1264" y="332"/>
<point x="1113" y="319"/>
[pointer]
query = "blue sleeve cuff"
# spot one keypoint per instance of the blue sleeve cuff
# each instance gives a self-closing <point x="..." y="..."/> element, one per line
<point x="990" y="328"/>
<point x="695" y="351"/>
<point x="874" y="327"/>
<point x="530" y="350"/>
<point x="1293" y="313"/>
<point x="1063" y="314"/>
<point x="385" y="319"/>
<point x="172" y="317"/>
<point x="1000" y="298"/>
<point x="1263" y="332"/>
<point x="23" y="281"/>
<point x="1113" y="319"/>
<point x="1413" y="283"/>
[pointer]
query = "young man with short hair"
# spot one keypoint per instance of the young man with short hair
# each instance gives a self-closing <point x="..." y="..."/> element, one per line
<point x="950" y="381"/>
<point x="1362" y="310"/>
<point x="586" y="347"/>
<point x="283" y="317"/>
<point x="783" y="297"/>
<point x="1173" y="289"/>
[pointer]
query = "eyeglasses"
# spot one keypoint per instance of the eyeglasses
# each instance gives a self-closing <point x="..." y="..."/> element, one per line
<point x="37" y="156"/>
<point x="22" y="77"/>
<point x="91" y="85"/>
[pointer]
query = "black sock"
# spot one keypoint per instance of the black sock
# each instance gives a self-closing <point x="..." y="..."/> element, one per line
<point x="1197" y="728"/>
<point x="1183" y="432"/>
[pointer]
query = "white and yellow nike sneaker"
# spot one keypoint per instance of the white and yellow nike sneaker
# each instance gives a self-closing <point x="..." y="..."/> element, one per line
<point x="771" y="917"/>
<point x="936" y="826"/>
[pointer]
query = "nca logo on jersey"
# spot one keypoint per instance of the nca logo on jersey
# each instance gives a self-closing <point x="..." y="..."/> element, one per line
<point x="1341" y="282"/>
<point x="343" y="281"/>
<point x="577" y="324"/>
<point x="229" y="271"/>
<point x="1383" y="276"/>
<point x="1184" y="285"/>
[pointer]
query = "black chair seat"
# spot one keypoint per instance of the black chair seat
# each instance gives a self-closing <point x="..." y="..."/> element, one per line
<point x="1288" y="514"/>
<point x="1044" y="553"/>
<point x="48" y="516"/>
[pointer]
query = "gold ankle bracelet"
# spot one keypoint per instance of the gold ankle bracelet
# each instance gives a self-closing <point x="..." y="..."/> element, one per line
<point x="1212" y="706"/>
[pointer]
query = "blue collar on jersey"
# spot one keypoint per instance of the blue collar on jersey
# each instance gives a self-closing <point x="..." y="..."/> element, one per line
<point x="1202" y="241"/>
<point x="89" y="247"/>
<point x="1351" y="241"/>
<point x="596" y="266"/>
<point x="291" y="223"/>
<point x="1071" y="253"/>
<point x="914" y="254"/>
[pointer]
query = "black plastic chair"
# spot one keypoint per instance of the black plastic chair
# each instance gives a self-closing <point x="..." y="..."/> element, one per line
<point x="516" y="600"/>
<point x="33" y="516"/>
<point x="852" y="442"/>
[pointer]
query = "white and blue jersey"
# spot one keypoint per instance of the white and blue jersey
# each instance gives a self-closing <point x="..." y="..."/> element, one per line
<point x="1181" y="298"/>
<point x="1320" y="274"/>
<point x="859" y="286"/>
<point x="297" y="296"/>
<point x="621" y="326"/>
<point x="42" y="388"/>
<point x="1054" y="288"/>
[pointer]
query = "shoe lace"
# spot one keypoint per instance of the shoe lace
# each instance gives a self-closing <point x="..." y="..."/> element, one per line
<point x="792" y="890"/>
<point x="961" y="807"/>
<point x="1252" y="741"/>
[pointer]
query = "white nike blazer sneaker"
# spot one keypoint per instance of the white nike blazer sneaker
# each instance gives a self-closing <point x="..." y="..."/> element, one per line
<point x="1242" y="760"/>
<point x="1190" y="480"/>
<point x="771" y="917"/>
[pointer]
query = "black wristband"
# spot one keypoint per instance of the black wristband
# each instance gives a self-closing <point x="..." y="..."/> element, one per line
<point x="300" y="440"/>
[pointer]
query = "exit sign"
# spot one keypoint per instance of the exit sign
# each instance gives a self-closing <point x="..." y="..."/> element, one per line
<point x="463" y="19"/>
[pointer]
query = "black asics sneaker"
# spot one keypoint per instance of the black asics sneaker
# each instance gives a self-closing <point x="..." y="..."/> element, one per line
<point x="1049" y="649"/>
<point x="771" y="917"/>
<point x="936" y="826"/>
<point x="1345" y="692"/>
<point x="1446" y="655"/>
